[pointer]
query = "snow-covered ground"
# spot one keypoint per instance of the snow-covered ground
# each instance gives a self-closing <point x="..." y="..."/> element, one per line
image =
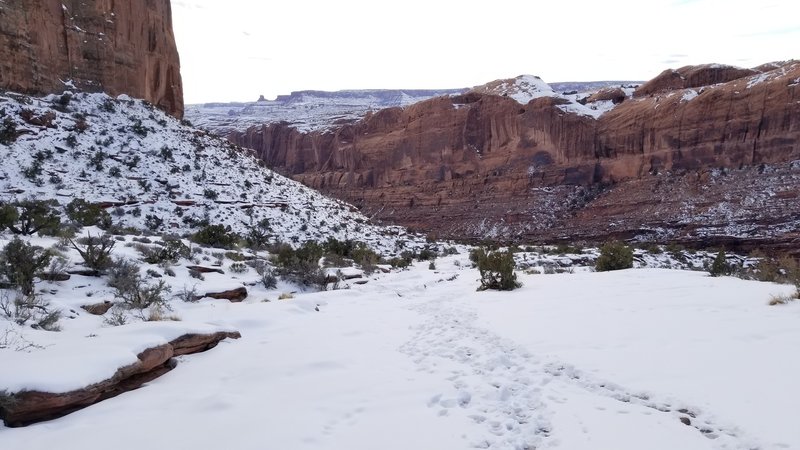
<point x="419" y="359"/>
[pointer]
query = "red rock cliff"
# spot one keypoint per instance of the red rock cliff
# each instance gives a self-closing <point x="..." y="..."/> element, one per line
<point x="477" y="164"/>
<point x="103" y="45"/>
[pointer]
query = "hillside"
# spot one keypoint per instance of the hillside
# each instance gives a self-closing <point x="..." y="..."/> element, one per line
<point x="151" y="171"/>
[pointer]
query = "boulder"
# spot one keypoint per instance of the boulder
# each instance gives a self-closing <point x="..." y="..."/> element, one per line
<point x="233" y="295"/>
<point x="203" y="269"/>
<point x="98" y="309"/>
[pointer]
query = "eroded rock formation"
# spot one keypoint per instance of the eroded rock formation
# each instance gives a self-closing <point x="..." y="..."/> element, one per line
<point x="26" y="407"/>
<point x="479" y="165"/>
<point x="104" y="45"/>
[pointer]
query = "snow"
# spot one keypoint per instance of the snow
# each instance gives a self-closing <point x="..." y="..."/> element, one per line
<point x="689" y="95"/>
<point x="525" y="88"/>
<point x="89" y="359"/>
<point x="758" y="79"/>
<point x="305" y="110"/>
<point x="419" y="359"/>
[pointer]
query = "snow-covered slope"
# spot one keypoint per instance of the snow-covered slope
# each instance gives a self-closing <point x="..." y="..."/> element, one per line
<point x="142" y="162"/>
<point x="306" y="110"/>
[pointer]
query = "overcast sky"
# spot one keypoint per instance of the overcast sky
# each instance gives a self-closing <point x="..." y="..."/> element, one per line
<point x="236" y="50"/>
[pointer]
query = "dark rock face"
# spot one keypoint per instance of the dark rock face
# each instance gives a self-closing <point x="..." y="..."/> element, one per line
<point x="27" y="407"/>
<point x="233" y="295"/>
<point x="477" y="165"/>
<point x="105" y="45"/>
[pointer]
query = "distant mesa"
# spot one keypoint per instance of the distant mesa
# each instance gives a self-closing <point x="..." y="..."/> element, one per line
<point x="261" y="98"/>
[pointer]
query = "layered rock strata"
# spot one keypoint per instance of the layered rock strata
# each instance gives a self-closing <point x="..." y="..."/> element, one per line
<point x="476" y="165"/>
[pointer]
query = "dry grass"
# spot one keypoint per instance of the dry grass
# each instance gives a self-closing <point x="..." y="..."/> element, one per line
<point x="781" y="299"/>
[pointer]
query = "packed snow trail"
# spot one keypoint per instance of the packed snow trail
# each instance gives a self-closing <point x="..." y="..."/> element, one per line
<point x="506" y="391"/>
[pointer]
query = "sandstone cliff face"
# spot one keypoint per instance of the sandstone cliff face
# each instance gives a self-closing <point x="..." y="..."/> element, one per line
<point x="477" y="164"/>
<point x="104" y="45"/>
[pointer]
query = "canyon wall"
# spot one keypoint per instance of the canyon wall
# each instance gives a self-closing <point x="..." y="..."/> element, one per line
<point x="477" y="165"/>
<point x="100" y="46"/>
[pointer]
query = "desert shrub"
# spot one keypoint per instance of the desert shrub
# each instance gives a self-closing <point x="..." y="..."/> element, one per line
<point x="450" y="251"/>
<point x="216" y="236"/>
<point x="122" y="273"/>
<point x="427" y="254"/>
<point x="116" y="317"/>
<point x="719" y="266"/>
<point x="651" y="247"/>
<point x="29" y="308"/>
<point x="432" y="265"/>
<point x="238" y="267"/>
<point x="266" y="274"/>
<point x="30" y="217"/>
<point x="20" y="262"/>
<point x="196" y="274"/>
<point x="210" y="194"/>
<point x="259" y="235"/>
<point x="496" y="269"/>
<point x="8" y="131"/>
<point x="400" y="262"/>
<point x="301" y="266"/>
<point x="153" y="222"/>
<point x="782" y="299"/>
<point x="88" y="214"/>
<point x="170" y="252"/>
<point x="132" y="289"/>
<point x="96" y="251"/>
<point x="188" y="294"/>
<point x="614" y="256"/>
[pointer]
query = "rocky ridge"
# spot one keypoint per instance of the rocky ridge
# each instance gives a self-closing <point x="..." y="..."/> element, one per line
<point x="101" y="46"/>
<point x="482" y="165"/>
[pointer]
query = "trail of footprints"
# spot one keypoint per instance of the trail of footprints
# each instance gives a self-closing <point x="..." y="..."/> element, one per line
<point x="503" y="389"/>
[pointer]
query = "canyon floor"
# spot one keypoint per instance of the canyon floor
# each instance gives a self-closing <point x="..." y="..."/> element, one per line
<point x="640" y="358"/>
